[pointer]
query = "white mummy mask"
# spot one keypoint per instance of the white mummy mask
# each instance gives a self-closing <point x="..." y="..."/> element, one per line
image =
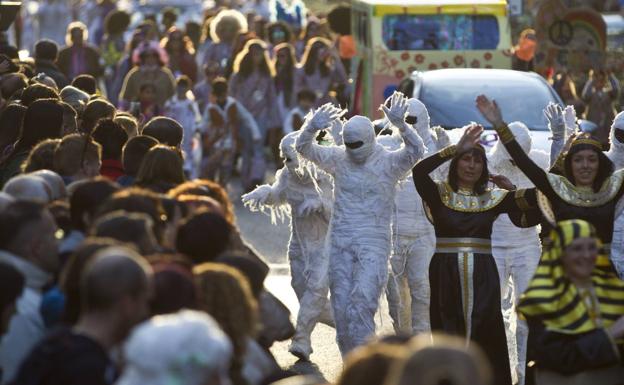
<point x="359" y="138"/>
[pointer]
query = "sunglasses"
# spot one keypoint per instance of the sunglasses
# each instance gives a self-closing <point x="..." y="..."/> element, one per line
<point x="354" y="145"/>
<point x="411" y="119"/>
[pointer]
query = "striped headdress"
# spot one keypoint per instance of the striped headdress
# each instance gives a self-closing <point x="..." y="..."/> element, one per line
<point x="554" y="300"/>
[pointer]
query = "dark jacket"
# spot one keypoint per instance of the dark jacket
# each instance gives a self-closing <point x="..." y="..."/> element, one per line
<point x="91" y="57"/>
<point x="51" y="70"/>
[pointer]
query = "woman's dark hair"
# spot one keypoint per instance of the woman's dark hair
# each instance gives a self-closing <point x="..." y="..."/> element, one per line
<point x="94" y="111"/>
<point x="203" y="236"/>
<point x="481" y="184"/>
<point x="174" y="285"/>
<point x="605" y="165"/>
<point x="11" y="121"/>
<point x="116" y="22"/>
<point x="277" y="26"/>
<point x="311" y="60"/>
<point x="243" y="64"/>
<point x="111" y="136"/>
<point x="85" y="82"/>
<point x="41" y="156"/>
<point x="284" y="77"/>
<point x="87" y="199"/>
<point x="43" y="120"/>
<point x="187" y="44"/>
<point x="161" y="165"/>
<point x="134" y="151"/>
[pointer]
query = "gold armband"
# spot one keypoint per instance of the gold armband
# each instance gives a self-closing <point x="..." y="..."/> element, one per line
<point x="448" y="152"/>
<point x="504" y="133"/>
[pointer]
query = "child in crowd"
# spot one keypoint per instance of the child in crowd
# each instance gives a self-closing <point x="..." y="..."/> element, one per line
<point x="294" y="119"/>
<point x="228" y="129"/>
<point x="183" y="108"/>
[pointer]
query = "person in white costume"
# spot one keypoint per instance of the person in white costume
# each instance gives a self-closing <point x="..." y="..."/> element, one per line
<point x="413" y="241"/>
<point x="515" y="250"/>
<point x="304" y="194"/>
<point x="365" y="179"/>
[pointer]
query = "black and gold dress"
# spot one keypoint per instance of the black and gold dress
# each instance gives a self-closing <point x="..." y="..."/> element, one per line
<point x="559" y="199"/>
<point x="464" y="280"/>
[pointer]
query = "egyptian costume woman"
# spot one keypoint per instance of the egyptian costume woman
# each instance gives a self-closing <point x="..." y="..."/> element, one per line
<point x="575" y="311"/>
<point x="465" y="288"/>
<point x="588" y="190"/>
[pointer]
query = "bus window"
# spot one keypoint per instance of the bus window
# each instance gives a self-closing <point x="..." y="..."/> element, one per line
<point x="405" y="32"/>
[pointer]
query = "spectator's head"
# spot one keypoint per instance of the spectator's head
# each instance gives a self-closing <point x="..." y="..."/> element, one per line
<point x="129" y="123"/>
<point x="38" y="91"/>
<point x="254" y="270"/>
<point x="86" y="200"/>
<point x="150" y="54"/>
<point x="46" y="50"/>
<point x="207" y="188"/>
<point x="71" y="274"/>
<point x="315" y="56"/>
<point x="11" y="83"/>
<point x="370" y="364"/>
<point x="76" y="98"/>
<point x="278" y="32"/>
<point x="11" y="120"/>
<point x="54" y="181"/>
<point x="192" y="29"/>
<point x="197" y="352"/>
<point x="161" y="166"/>
<point x="86" y="83"/>
<point x="147" y="93"/>
<point x="41" y="157"/>
<point x="166" y="130"/>
<point x="285" y="59"/>
<point x="115" y="288"/>
<point x="176" y="42"/>
<point x="254" y="56"/>
<point x="42" y="78"/>
<point x="200" y="202"/>
<point x="132" y="228"/>
<point x="203" y="236"/>
<point x="43" y="120"/>
<point x="183" y="85"/>
<point x="28" y="187"/>
<point x="77" y="34"/>
<point x="78" y="157"/>
<point x="28" y="230"/>
<point x="70" y="119"/>
<point x="226" y="25"/>
<point x="306" y="99"/>
<point x="134" y="151"/>
<point x="137" y="200"/>
<point x="220" y="89"/>
<point x="11" y="287"/>
<point x="441" y="360"/>
<point x="225" y="294"/>
<point x="169" y="17"/>
<point x="94" y="111"/>
<point x="116" y="22"/>
<point x="174" y="284"/>
<point x="111" y="136"/>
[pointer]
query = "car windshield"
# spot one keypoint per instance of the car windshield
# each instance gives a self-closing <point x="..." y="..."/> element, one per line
<point x="451" y="101"/>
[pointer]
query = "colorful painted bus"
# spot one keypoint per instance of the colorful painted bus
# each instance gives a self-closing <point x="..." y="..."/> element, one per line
<point x="396" y="37"/>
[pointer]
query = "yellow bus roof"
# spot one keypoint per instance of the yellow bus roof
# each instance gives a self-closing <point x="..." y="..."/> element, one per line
<point x="434" y="7"/>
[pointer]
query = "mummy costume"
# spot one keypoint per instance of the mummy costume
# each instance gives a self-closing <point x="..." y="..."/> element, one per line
<point x="304" y="194"/>
<point x="515" y="250"/>
<point x="365" y="178"/>
<point x="413" y="238"/>
<point x="616" y="154"/>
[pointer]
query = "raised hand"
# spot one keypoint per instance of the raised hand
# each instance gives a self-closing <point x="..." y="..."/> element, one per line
<point x="257" y="197"/>
<point x="442" y="137"/>
<point x="324" y="116"/>
<point x="569" y="119"/>
<point x="501" y="181"/>
<point x="490" y="111"/>
<point x="397" y="111"/>
<point x="554" y="114"/>
<point x="470" y="138"/>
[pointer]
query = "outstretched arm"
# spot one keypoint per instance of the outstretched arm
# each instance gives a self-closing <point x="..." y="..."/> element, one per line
<point x="268" y="195"/>
<point x="492" y="113"/>
<point x="402" y="160"/>
<point x="325" y="157"/>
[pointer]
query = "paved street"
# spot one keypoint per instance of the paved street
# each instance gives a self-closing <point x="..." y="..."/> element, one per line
<point x="271" y="241"/>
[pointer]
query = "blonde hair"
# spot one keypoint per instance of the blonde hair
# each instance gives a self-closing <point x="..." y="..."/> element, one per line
<point x="370" y="364"/>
